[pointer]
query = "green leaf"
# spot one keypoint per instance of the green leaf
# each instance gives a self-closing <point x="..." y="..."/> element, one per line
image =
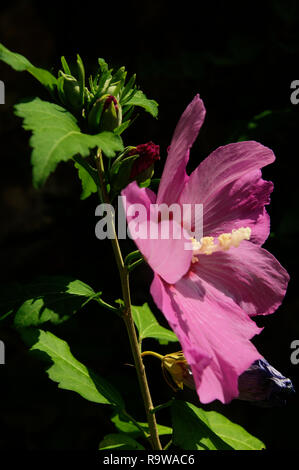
<point x="57" y="137"/>
<point x="125" y="425"/>
<point x="119" y="442"/>
<point x="196" y="429"/>
<point x="148" y="327"/>
<point x="120" y="129"/>
<point x="88" y="177"/>
<point x="53" y="299"/>
<point x="20" y="64"/>
<point x="139" y="99"/>
<point x="232" y="433"/>
<point x="69" y="373"/>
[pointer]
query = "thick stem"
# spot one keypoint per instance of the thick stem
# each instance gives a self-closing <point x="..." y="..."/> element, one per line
<point x="128" y="319"/>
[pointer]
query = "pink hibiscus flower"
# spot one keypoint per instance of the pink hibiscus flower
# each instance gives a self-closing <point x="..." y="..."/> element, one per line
<point x="209" y="294"/>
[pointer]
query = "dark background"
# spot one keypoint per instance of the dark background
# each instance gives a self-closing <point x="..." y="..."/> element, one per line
<point x="242" y="60"/>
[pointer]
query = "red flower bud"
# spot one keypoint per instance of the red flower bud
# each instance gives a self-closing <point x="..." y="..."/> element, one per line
<point x="148" y="154"/>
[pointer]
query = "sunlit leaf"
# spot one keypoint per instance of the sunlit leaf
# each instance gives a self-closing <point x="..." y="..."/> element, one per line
<point x="57" y="137"/>
<point x="52" y="298"/>
<point x="68" y="372"/>
<point x="20" y="64"/>
<point x="196" y="429"/>
<point x="125" y="425"/>
<point x="148" y="327"/>
<point x="139" y="99"/>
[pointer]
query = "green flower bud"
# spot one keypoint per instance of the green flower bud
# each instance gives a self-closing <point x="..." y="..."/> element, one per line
<point x="105" y="114"/>
<point x="120" y="171"/>
<point x="94" y="115"/>
<point x="112" y="115"/>
<point x="69" y="91"/>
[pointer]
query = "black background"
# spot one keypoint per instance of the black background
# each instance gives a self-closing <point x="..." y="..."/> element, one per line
<point x="242" y="60"/>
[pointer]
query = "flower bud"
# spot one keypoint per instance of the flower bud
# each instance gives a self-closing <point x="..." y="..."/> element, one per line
<point x="105" y="114"/>
<point x="264" y="385"/>
<point x="178" y="369"/>
<point x="143" y="166"/>
<point x="120" y="171"/>
<point x="112" y="116"/>
<point x="69" y="91"/>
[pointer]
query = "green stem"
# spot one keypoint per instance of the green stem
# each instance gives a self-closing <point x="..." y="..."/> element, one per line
<point x="128" y="319"/>
<point x="108" y="306"/>
<point x="152" y="353"/>
<point x="167" y="445"/>
<point x="161" y="407"/>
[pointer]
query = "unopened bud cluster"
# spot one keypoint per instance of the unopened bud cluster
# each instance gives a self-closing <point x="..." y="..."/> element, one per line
<point x="98" y="101"/>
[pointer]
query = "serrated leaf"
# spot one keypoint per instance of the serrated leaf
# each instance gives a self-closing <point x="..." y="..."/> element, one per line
<point x="148" y="327"/>
<point x="125" y="425"/>
<point x="20" y="64"/>
<point x="67" y="371"/>
<point x="119" y="442"/>
<point x="53" y="299"/>
<point x="88" y="185"/>
<point x="139" y="99"/>
<point x="88" y="177"/>
<point x="57" y="137"/>
<point x="196" y="429"/>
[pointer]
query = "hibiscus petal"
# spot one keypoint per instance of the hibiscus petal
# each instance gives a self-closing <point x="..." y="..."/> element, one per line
<point x="174" y="175"/>
<point x="241" y="204"/>
<point x="213" y="331"/>
<point x="249" y="275"/>
<point x="167" y="256"/>
<point x="133" y="194"/>
<point x="229" y="185"/>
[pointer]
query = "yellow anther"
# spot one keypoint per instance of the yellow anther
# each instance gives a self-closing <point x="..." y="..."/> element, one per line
<point x="225" y="241"/>
<point x="205" y="246"/>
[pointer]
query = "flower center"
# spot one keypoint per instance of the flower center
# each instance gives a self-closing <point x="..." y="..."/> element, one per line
<point x="208" y="245"/>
